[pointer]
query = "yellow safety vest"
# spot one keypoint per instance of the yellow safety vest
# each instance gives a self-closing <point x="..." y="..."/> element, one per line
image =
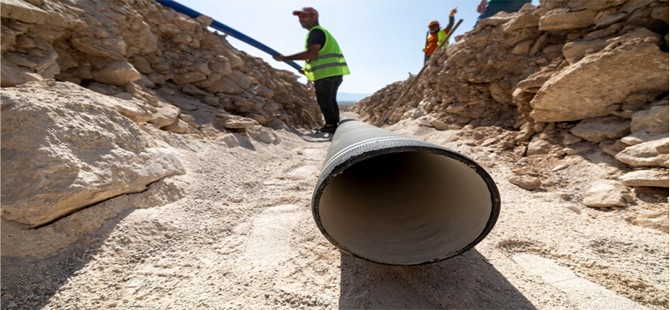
<point x="329" y="61"/>
<point x="431" y="44"/>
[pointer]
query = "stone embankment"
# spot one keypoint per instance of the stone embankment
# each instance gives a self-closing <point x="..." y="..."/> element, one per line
<point x="570" y="77"/>
<point x="108" y="77"/>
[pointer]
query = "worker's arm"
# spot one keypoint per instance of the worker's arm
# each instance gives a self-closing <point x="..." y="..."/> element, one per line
<point x="481" y="6"/>
<point x="315" y="41"/>
<point x="309" y="54"/>
<point x="451" y="21"/>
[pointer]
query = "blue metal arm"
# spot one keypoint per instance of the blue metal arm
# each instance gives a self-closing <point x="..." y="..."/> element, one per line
<point x="230" y="31"/>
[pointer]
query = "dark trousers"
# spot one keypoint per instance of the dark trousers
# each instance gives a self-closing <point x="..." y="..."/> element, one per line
<point x="326" y="96"/>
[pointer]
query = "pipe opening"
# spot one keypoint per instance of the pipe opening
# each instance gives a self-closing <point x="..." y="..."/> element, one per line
<point x="408" y="207"/>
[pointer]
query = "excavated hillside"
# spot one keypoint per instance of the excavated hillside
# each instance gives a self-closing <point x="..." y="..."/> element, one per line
<point x="586" y="78"/>
<point x="146" y="163"/>
<point x="153" y="66"/>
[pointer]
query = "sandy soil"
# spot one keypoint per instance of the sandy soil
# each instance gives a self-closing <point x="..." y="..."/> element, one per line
<point x="242" y="236"/>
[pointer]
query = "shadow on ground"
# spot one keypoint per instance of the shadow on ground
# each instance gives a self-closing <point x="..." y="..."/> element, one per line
<point x="467" y="281"/>
<point x="29" y="283"/>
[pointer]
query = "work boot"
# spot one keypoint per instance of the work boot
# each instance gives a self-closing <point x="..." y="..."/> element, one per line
<point x="330" y="128"/>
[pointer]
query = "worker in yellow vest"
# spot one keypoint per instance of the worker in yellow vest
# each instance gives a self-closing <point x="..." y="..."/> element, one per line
<point x="436" y="35"/>
<point x="324" y="65"/>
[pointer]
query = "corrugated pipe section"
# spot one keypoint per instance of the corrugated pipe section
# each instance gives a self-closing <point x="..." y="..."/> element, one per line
<point x="395" y="200"/>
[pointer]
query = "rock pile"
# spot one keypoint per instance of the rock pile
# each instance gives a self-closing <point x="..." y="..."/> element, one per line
<point x="565" y="78"/>
<point x="89" y="63"/>
<point x="139" y="49"/>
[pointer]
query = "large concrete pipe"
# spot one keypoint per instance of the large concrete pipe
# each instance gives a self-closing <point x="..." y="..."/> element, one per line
<point x="396" y="200"/>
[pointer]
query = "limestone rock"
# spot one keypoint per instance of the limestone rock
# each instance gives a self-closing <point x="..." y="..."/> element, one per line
<point x="264" y="135"/>
<point x="62" y="152"/>
<point x="646" y="154"/>
<point x="538" y="147"/>
<point x="236" y="122"/>
<point x="605" y="194"/>
<point x="13" y="75"/>
<point x="230" y="140"/>
<point x="117" y="73"/>
<point x="652" y="120"/>
<point x="165" y="115"/>
<point x="131" y="108"/>
<point x="524" y="20"/>
<point x="189" y="77"/>
<point x="225" y="85"/>
<point x="564" y="19"/>
<point x="598" y="129"/>
<point x="179" y="127"/>
<point x="20" y="10"/>
<point x="439" y="124"/>
<point x="649" y="178"/>
<point x="529" y="183"/>
<point x="576" y="50"/>
<point x="111" y="48"/>
<point x="594" y="86"/>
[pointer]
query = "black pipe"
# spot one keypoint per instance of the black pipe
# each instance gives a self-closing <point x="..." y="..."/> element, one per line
<point x="396" y="200"/>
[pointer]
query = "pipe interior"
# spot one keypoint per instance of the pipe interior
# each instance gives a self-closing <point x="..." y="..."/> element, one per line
<point x="406" y="208"/>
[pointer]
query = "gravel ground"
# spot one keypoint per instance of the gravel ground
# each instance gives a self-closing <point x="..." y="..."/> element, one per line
<point x="236" y="231"/>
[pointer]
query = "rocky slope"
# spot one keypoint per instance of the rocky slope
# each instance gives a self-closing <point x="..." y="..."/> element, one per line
<point x="586" y="78"/>
<point x="146" y="67"/>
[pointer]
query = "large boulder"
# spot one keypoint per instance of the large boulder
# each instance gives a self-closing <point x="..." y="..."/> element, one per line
<point x="647" y="154"/>
<point x="65" y="148"/>
<point x="599" y="83"/>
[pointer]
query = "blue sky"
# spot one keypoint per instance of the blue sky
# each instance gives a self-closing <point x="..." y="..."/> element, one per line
<point x="381" y="39"/>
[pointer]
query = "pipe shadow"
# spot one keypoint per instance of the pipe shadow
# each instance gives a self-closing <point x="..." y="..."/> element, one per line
<point x="29" y="282"/>
<point x="467" y="281"/>
<point x="310" y="136"/>
<point x="317" y="136"/>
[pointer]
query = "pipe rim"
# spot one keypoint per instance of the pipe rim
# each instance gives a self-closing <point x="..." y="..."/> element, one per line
<point x="336" y="166"/>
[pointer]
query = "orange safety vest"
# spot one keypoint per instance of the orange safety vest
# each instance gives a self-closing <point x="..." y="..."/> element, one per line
<point x="433" y="40"/>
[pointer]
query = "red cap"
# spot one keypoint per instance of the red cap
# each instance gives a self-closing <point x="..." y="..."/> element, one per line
<point x="307" y="10"/>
